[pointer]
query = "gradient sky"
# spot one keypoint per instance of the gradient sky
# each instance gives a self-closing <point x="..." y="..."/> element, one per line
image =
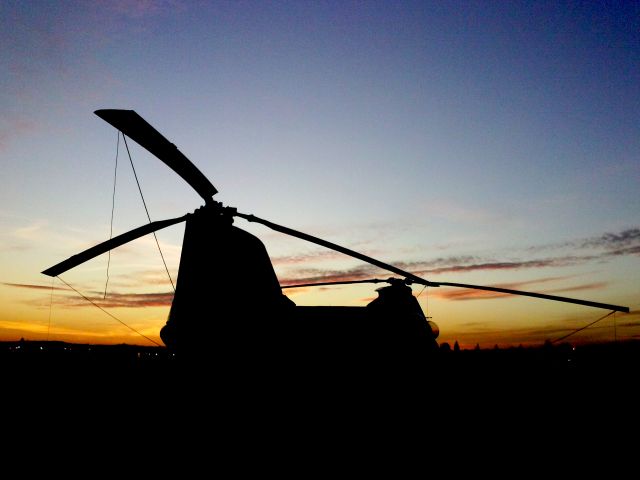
<point x="492" y="143"/>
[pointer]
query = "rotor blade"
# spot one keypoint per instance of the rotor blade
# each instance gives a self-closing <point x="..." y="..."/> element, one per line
<point x="137" y="128"/>
<point x="415" y="278"/>
<point x="333" y="246"/>
<point x="341" y="282"/>
<point x="115" y="242"/>
<point x="588" y="303"/>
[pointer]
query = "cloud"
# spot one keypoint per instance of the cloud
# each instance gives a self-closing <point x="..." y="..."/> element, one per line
<point x="449" y="264"/>
<point x="427" y="268"/>
<point x="511" y="265"/>
<point x="32" y="231"/>
<point x="318" y="276"/>
<point x="142" y="278"/>
<point x="13" y="130"/>
<point x="366" y="273"/>
<point x="137" y="9"/>
<point x="576" y="288"/>
<point x="33" y="287"/>
<point x="627" y="240"/>
<point x="22" y="234"/>
<point x="118" y="300"/>
<point x="306" y="257"/>
<point x="460" y="264"/>
<point x="439" y="265"/>
<point x="624" y="243"/>
<point x="464" y="264"/>
<point x="473" y="294"/>
<point x="624" y="251"/>
<point x="135" y="300"/>
<point x="628" y="324"/>
<point x="463" y="214"/>
<point x="626" y="237"/>
<point x="113" y="299"/>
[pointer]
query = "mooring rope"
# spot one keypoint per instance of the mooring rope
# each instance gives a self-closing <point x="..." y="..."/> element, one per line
<point x="147" y="210"/>
<point x="113" y="205"/>
<point x="108" y="313"/>
<point x="586" y="326"/>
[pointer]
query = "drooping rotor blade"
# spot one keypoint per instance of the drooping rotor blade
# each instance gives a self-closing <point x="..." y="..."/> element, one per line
<point x="339" y="282"/>
<point x="415" y="278"/>
<point x="334" y="246"/>
<point x="587" y="303"/>
<point x="137" y="128"/>
<point x="115" y="242"/>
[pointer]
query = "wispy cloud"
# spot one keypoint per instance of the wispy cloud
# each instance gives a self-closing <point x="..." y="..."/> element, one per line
<point x="472" y="294"/>
<point x="134" y="300"/>
<point x="29" y="232"/>
<point x="33" y="287"/>
<point x="627" y="240"/>
<point x="112" y="300"/>
<point x="14" y="129"/>
<point x="138" y="9"/>
<point x="463" y="214"/>
<point x="366" y="272"/>
<point x="577" y="288"/>
<point x="623" y="251"/>
<point x="317" y="275"/>
<point x="306" y="257"/>
<point x="425" y="268"/>
<point x="142" y="278"/>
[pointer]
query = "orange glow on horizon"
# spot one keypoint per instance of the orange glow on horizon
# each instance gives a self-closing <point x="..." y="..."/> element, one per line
<point x="502" y="321"/>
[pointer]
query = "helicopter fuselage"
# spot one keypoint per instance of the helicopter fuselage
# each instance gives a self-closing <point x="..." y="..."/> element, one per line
<point x="213" y="314"/>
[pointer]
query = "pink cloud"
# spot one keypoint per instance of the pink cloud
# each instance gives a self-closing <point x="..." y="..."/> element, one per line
<point x="15" y="129"/>
<point x="113" y="299"/>
<point x="33" y="287"/>
<point x="141" y="8"/>
<point x="472" y="294"/>
<point x="308" y="257"/>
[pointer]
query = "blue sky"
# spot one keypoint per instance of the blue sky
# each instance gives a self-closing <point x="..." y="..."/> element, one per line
<point x="450" y="137"/>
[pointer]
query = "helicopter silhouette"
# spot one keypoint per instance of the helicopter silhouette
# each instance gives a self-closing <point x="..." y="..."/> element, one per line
<point x="212" y="321"/>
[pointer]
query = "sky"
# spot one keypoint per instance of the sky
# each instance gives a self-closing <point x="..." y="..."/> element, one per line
<point x="490" y="143"/>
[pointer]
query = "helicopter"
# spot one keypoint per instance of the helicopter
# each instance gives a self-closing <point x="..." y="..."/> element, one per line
<point x="210" y="317"/>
